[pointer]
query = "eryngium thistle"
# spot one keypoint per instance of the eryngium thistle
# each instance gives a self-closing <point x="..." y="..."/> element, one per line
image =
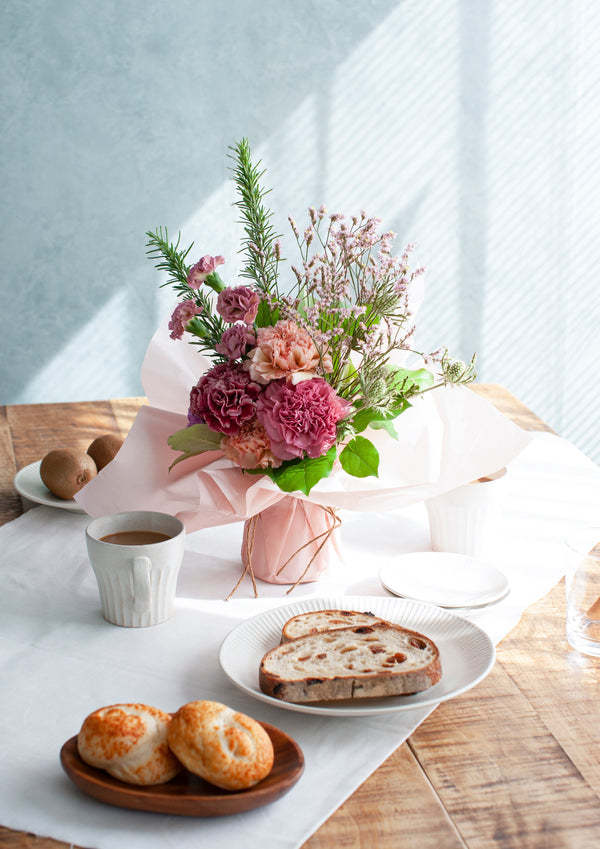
<point x="456" y="371"/>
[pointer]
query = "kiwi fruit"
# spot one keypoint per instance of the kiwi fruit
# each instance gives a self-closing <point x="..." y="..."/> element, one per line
<point x="103" y="449"/>
<point x="65" y="472"/>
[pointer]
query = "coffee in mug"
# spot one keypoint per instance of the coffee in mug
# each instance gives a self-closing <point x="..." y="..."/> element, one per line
<point x="135" y="538"/>
<point x="136" y="557"/>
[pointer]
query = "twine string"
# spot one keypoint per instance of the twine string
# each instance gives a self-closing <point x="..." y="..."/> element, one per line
<point x="324" y="536"/>
<point x="251" y="533"/>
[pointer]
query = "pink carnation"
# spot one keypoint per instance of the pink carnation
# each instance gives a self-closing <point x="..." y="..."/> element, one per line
<point x="300" y="418"/>
<point x="236" y="340"/>
<point x="182" y="315"/>
<point x="286" y="350"/>
<point x="250" y="447"/>
<point x="200" y="271"/>
<point x="238" y="303"/>
<point x="224" y="398"/>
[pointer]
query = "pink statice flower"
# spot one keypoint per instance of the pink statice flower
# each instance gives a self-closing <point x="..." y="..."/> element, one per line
<point x="238" y="303"/>
<point x="182" y="315"/>
<point x="224" y="398"/>
<point x="250" y="447"/>
<point x="236" y="340"/>
<point x="286" y="351"/>
<point x="300" y="418"/>
<point x="200" y="270"/>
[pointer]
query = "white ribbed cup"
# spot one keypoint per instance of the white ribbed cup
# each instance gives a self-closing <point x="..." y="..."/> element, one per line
<point x="137" y="583"/>
<point x="466" y="520"/>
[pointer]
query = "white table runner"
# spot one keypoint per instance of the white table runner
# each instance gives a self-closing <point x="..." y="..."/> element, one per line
<point x="59" y="659"/>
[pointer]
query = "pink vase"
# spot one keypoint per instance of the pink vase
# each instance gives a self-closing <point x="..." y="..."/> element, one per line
<point x="293" y="542"/>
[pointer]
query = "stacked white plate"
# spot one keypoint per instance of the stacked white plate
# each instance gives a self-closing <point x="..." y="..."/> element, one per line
<point x="448" y="580"/>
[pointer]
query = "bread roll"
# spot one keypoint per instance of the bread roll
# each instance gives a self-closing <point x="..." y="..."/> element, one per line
<point x="226" y="748"/>
<point x="130" y="743"/>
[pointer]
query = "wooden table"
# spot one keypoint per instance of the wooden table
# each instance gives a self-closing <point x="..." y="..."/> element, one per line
<point x="514" y="762"/>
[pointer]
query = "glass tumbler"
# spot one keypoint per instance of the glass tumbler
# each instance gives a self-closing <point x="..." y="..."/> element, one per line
<point x="582" y="581"/>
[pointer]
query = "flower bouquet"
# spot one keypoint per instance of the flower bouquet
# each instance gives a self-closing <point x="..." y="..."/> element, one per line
<point x="295" y="399"/>
<point x="304" y="363"/>
<point x="299" y="375"/>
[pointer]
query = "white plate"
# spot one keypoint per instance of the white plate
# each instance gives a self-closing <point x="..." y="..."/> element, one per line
<point x="28" y="483"/>
<point x="448" y="580"/>
<point x="467" y="653"/>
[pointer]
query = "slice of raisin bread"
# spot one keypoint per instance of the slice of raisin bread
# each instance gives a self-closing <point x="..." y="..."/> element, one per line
<point x="362" y="661"/>
<point x="316" y="621"/>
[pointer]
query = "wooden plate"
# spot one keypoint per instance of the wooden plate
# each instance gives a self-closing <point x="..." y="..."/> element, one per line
<point x="187" y="794"/>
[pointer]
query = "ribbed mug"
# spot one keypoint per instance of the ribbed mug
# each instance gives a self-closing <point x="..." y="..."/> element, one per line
<point x="137" y="582"/>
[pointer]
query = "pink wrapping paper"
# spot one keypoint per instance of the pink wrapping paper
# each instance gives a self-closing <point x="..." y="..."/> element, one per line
<point x="449" y="437"/>
<point x="292" y="541"/>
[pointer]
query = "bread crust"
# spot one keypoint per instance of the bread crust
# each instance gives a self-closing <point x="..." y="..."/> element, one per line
<point x="365" y="661"/>
<point x="129" y="742"/>
<point x="226" y="748"/>
<point x="317" y="621"/>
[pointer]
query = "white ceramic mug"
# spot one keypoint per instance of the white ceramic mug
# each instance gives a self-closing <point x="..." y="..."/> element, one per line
<point x="136" y="582"/>
<point x="466" y="520"/>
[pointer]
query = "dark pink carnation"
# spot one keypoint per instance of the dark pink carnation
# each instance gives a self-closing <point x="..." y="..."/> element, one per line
<point x="224" y="398"/>
<point x="236" y="340"/>
<point x="182" y="315"/>
<point x="238" y="303"/>
<point x="300" y="418"/>
<point x="200" y="271"/>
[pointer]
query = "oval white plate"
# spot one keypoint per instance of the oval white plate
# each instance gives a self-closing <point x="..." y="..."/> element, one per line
<point x="448" y="580"/>
<point x="467" y="653"/>
<point x="28" y="483"/>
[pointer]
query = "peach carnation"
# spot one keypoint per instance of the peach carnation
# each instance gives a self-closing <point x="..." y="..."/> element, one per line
<point x="250" y="447"/>
<point x="286" y="351"/>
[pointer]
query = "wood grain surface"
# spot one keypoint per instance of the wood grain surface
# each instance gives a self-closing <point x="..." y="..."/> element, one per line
<point x="513" y="763"/>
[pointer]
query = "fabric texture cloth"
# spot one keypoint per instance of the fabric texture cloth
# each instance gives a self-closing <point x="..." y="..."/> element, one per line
<point x="59" y="660"/>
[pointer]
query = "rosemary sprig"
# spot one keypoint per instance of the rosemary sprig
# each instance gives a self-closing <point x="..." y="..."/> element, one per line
<point x="259" y="243"/>
<point x="169" y="257"/>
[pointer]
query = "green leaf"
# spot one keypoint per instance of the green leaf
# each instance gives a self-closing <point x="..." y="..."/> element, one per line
<point x="363" y="418"/>
<point x="386" y="425"/>
<point x="302" y="475"/>
<point x="376" y="418"/>
<point x="265" y="316"/>
<point x="405" y="379"/>
<point x="360" y="458"/>
<point x="194" y="440"/>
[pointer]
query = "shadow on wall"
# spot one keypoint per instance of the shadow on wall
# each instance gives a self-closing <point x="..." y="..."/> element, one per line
<point x="119" y="121"/>
<point x="465" y="126"/>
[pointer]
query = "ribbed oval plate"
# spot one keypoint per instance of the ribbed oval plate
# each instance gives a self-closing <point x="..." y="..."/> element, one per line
<point x="467" y="653"/>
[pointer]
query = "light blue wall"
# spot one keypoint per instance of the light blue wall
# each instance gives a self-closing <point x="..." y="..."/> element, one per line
<point x="469" y="126"/>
